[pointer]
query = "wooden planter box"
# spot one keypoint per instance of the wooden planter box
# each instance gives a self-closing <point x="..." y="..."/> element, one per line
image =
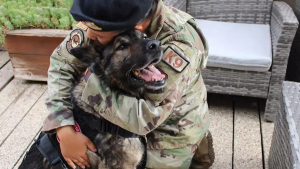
<point x="30" y="51"/>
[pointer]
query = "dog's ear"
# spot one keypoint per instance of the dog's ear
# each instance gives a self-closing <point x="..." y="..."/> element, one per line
<point x="86" y="54"/>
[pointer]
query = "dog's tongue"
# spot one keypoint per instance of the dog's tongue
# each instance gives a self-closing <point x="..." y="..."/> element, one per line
<point x="151" y="73"/>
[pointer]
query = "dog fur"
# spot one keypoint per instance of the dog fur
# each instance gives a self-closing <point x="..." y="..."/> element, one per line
<point x="113" y="65"/>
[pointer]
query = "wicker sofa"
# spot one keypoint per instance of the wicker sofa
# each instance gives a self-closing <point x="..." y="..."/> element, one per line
<point x="293" y="69"/>
<point x="283" y="25"/>
<point x="285" y="147"/>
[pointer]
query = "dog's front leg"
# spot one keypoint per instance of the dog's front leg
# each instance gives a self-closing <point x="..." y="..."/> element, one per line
<point x="95" y="161"/>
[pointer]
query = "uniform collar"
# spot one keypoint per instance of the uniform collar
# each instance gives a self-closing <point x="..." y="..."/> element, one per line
<point x="157" y="21"/>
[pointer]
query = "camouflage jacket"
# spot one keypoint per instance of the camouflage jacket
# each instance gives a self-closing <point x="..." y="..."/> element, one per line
<point x="176" y="118"/>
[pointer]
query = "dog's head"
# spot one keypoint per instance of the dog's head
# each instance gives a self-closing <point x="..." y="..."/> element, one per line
<point x="126" y="63"/>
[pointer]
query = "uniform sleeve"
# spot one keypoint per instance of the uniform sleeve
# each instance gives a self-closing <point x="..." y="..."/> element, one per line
<point x="141" y="116"/>
<point x="63" y="71"/>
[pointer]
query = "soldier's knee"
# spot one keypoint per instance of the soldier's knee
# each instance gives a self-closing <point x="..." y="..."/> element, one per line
<point x="179" y="158"/>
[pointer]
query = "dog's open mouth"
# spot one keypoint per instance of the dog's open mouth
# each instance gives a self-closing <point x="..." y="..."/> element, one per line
<point x="154" y="79"/>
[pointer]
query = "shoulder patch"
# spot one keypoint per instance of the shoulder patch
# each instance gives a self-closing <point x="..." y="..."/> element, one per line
<point x="81" y="26"/>
<point x="175" y="60"/>
<point x="76" y="39"/>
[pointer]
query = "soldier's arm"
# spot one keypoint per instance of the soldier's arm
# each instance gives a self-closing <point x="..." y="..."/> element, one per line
<point x="63" y="71"/>
<point x="142" y="116"/>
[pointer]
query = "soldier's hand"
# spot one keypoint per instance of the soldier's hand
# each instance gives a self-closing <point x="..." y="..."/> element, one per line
<point x="74" y="146"/>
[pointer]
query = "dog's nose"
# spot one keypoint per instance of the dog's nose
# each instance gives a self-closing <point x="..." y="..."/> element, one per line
<point x="153" y="45"/>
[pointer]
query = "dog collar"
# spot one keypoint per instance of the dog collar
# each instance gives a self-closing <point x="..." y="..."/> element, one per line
<point x="47" y="146"/>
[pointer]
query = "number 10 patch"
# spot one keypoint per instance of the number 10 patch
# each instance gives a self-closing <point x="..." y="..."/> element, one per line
<point x="175" y="60"/>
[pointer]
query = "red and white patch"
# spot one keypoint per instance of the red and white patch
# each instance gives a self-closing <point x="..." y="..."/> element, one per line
<point x="76" y="128"/>
<point x="175" y="60"/>
<point x="76" y="39"/>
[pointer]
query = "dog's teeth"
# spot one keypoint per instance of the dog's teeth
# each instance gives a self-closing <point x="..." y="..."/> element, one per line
<point x="136" y="73"/>
<point x="151" y="65"/>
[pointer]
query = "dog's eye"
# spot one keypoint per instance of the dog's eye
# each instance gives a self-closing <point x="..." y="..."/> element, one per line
<point x="121" y="47"/>
<point x="145" y="37"/>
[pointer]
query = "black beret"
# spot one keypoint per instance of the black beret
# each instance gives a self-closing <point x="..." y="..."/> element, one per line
<point x="110" y="15"/>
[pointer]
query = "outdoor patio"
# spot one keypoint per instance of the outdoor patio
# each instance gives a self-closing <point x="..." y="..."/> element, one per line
<point x="241" y="138"/>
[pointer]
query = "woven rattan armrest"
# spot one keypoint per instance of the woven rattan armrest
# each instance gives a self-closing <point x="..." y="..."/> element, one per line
<point x="284" y="25"/>
<point x="179" y="4"/>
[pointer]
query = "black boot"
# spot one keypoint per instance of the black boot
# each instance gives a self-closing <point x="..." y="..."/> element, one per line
<point x="204" y="156"/>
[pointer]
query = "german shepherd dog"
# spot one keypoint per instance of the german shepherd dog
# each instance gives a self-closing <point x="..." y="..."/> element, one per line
<point x="127" y="64"/>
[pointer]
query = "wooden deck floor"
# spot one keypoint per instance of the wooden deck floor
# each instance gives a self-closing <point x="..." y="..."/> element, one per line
<point x="241" y="139"/>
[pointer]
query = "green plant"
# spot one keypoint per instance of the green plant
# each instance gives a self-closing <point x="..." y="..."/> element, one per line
<point x="24" y="14"/>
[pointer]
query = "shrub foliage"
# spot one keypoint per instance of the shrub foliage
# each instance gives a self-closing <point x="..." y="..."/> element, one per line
<point x="25" y="14"/>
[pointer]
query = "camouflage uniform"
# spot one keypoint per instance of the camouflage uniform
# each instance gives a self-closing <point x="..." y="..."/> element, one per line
<point x="174" y="121"/>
